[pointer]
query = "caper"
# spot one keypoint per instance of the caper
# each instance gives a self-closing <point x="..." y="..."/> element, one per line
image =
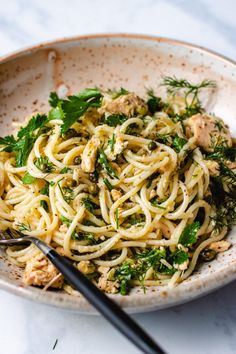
<point x="70" y="182"/>
<point x="152" y="145"/>
<point x="208" y="255"/>
<point x="77" y="160"/>
<point x="93" y="176"/>
<point x="71" y="133"/>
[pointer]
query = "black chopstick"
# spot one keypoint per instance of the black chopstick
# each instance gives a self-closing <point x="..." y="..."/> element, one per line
<point x="107" y="307"/>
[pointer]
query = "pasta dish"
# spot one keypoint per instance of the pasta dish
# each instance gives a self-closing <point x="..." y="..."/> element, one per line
<point x="134" y="191"/>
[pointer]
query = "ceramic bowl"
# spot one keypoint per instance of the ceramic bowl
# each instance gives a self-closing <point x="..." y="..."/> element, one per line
<point x="134" y="62"/>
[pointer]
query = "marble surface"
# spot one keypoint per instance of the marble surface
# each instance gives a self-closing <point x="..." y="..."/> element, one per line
<point x="207" y="325"/>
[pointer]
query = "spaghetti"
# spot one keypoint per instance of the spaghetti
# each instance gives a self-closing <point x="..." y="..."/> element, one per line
<point x="125" y="188"/>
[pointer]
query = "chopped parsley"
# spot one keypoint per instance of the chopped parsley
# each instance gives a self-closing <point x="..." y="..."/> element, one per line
<point x="28" y="179"/>
<point x="154" y="103"/>
<point x="178" y="143"/>
<point x="107" y="184"/>
<point x="26" y="137"/>
<point x="111" y="142"/>
<point x="189" y="234"/>
<point x="115" y="119"/>
<point x="75" y="106"/>
<point x="89" y="204"/>
<point x="103" y="161"/>
<point x="43" y="164"/>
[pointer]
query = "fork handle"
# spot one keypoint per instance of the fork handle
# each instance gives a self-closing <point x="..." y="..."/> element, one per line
<point x="107" y="307"/>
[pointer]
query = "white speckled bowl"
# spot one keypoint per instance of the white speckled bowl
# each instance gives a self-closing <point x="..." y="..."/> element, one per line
<point x="134" y="62"/>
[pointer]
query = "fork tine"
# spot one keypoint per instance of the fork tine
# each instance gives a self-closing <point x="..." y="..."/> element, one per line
<point x="13" y="233"/>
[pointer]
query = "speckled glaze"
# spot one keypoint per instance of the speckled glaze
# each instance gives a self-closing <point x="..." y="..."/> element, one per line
<point x="134" y="62"/>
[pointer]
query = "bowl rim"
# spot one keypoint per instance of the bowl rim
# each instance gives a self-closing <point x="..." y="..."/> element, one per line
<point x="191" y="290"/>
<point x="38" y="46"/>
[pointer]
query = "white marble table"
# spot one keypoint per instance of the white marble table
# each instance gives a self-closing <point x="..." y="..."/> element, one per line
<point x="207" y="325"/>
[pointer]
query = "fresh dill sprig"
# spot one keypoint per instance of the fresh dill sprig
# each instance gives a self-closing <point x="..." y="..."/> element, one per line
<point x="174" y="85"/>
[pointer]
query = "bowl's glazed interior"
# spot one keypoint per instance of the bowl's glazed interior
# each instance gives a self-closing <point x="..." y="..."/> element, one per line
<point x="111" y="61"/>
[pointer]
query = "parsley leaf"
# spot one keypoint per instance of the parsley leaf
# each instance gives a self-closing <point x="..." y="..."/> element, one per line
<point x="88" y="204"/>
<point x="54" y="100"/>
<point x="26" y="137"/>
<point x="111" y="142"/>
<point x="43" y="164"/>
<point x="189" y="234"/>
<point x="108" y="184"/>
<point x="75" y="106"/>
<point x="178" y="143"/>
<point x="28" y="179"/>
<point x="154" y="103"/>
<point x="103" y="161"/>
<point x="115" y="119"/>
<point x="179" y="257"/>
<point x="116" y="93"/>
<point x="65" y="220"/>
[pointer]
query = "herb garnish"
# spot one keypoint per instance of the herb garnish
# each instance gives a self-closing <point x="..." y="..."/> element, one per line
<point x="115" y="119"/>
<point x="178" y="143"/>
<point x="26" y="137"/>
<point x="43" y="164"/>
<point x="28" y="179"/>
<point x="112" y="141"/>
<point x="116" y="93"/>
<point x="103" y="161"/>
<point x="108" y="184"/>
<point x="89" y="204"/>
<point x="189" y="234"/>
<point x="75" y="106"/>
<point x="154" y="103"/>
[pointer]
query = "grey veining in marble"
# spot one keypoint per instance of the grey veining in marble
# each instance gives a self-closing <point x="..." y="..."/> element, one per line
<point x="207" y="325"/>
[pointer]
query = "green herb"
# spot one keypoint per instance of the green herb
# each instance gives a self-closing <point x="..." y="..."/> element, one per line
<point x="84" y="236"/>
<point x="23" y="227"/>
<point x="44" y="205"/>
<point x="43" y="164"/>
<point x="56" y="113"/>
<point x="174" y="85"/>
<point x="54" y="100"/>
<point x="124" y="274"/>
<point x="65" y="170"/>
<point x="89" y="204"/>
<point x="115" y="119"/>
<point x="156" y="204"/>
<point x="151" y="178"/>
<point x="135" y="219"/>
<point x="116" y="93"/>
<point x="28" y="179"/>
<point x="65" y="220"/>
<point x="111" y="142"/>
<point x="163" y="138"/>
<point x="45" y="189"/>
<point x="178" y="143"/>
<point x="222" y="152"/>
<point x="189" y="234"/>
<point x="103" y="161"/>
<point x="26" y="137"/>
<point x="179" y="257"/>
<point x="151" y="257"/>
<point x="224" y="202"/>
<point x="117" y="218"/>
<point x="154" y="103"/>
<point x="108" y="184"/>
<point x="75" y="106"/>
<point x="67" y="193"/>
